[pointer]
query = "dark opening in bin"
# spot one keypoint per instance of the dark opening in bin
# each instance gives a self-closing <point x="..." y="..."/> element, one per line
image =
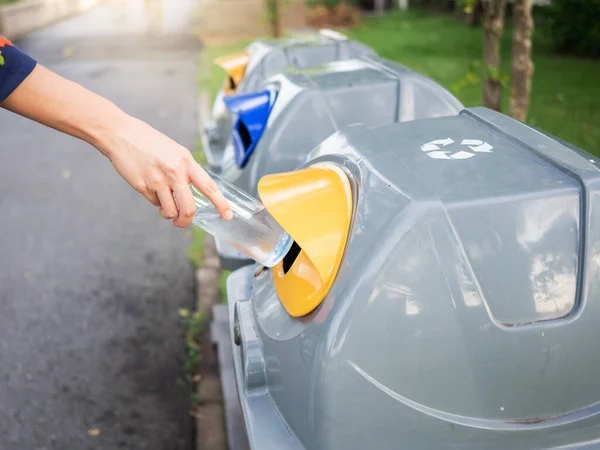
<point x="244" y="134"/>
<point x="290" y="258"/>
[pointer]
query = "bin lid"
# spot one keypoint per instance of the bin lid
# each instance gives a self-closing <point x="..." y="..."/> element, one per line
<point x="315" y="102"/>
<point x="271" y="56"/>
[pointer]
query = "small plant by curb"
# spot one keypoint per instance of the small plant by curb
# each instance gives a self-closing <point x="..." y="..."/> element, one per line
<point x="193" y="323"/>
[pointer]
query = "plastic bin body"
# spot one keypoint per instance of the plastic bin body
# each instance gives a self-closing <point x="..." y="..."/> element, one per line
<point x="267" y="58"/>
<point x="465" y="312"/>
<point x="314" y="103"/>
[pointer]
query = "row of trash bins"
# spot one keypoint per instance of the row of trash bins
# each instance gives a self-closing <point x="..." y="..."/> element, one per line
<point x="439" y="284"/>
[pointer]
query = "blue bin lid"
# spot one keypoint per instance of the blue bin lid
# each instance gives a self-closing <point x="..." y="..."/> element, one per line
<point x="252" y="112"/>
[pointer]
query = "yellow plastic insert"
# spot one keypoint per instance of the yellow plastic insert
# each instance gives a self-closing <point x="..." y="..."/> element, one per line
<point x="314" y="205"/>
<point x="235" y="65"/>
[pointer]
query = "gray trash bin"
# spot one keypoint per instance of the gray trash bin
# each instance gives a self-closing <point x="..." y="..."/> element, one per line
<point x="313" y="103"/>
<point x="463" y="313"/>
<point x="265" y="58"/>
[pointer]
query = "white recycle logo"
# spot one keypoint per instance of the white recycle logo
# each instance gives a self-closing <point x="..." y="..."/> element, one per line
<point x="475" y="145"/>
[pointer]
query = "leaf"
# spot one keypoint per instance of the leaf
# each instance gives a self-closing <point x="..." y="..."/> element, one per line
<point x="472" y="78"/>
<point x="493" y="72"/>
<point x="1" y="59"/>
<point x="94" y="432"/>
<point x="67" y="52"/>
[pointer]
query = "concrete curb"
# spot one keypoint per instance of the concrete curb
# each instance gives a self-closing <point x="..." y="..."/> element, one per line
<point x="209" y="415"/>
<point x="210" y="421"/>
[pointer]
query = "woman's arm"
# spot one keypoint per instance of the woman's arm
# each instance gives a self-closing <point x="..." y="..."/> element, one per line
<point x="154" y="165"/>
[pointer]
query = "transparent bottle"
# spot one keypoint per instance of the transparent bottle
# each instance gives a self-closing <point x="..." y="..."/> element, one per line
<point x="252" y="230"/>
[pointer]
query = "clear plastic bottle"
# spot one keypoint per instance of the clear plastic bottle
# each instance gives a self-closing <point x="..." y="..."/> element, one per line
<point x="252" y="230"/>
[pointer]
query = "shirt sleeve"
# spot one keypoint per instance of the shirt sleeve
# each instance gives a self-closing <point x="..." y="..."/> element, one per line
<point x="15" y="66"/>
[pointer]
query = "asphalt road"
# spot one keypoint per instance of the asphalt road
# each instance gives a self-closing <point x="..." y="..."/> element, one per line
<point x="91" y="277"/>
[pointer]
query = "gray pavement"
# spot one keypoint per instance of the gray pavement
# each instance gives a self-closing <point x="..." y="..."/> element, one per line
<point x="90" y="276"/>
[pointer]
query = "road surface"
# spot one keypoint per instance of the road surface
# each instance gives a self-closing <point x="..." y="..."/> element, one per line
<point x="91" y="277"/>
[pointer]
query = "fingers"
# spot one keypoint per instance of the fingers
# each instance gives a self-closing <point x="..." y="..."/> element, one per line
<point x="187" y="206"/>
<point x="151" y="197"/>
<point x="208" y="187"/>
<point x="168" y="208"/>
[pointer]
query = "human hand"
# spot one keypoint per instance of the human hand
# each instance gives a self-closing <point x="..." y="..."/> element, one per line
<point x="161" y="170"/>
<point x="154" y="165"/>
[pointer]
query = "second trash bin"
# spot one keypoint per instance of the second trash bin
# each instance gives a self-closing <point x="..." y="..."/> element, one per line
<point x="247" y="71"/>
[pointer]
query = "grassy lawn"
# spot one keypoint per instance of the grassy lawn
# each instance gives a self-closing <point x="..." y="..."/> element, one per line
<point x="565" y="91"/>
<point x="196" y="248"/>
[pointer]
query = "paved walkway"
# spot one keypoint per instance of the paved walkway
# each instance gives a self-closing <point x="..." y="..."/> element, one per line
<point x="90" y="277"/>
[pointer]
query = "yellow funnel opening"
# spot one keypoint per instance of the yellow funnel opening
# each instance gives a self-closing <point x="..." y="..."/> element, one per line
<point x="314" y="205"/>
<point x="235" y="65"/>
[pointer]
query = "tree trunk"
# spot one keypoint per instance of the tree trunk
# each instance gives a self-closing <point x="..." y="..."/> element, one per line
<point x="493" y="26"/>
<point x="522" y="66"/>
<point x="403" y="5"/>
<point x="274" y="18"/>
<point x="475" y="16"/>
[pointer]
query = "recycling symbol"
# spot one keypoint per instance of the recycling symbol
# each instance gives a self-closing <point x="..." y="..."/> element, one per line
<point x="437" y="149"/>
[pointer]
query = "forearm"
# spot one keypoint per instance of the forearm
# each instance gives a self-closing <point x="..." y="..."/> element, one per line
<point x="154" y="165"/>
<point x="52" y="100"/>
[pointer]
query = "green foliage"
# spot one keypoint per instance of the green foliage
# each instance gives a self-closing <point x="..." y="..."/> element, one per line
<point x="193" y="324"/>
<point x="476" y="73"/>
<point x="575" y="26"/>
<point x="565" y="96"/>
<point x="471" y="78"/>
<point x="197" y="400"/>
<point x="223" y="285"/>
<point x="192" y="328"/>
<point x="273" y="9"/>
<point x="196" y="248"/>
<point x="329" y="3"/>
<point x="467" y="6"/>
<point x="493" y="73"/>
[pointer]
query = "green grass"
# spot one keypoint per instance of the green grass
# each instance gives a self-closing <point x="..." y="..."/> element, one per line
<point x="210" y="79"/>
<point x="196" y="248"/>
<point x="192" y="327"/>
<point x="565" y="91"/>
<point x="223" y="285"/>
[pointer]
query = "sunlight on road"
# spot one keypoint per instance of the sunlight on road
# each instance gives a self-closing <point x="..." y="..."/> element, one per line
<point x="158" y="16"/>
